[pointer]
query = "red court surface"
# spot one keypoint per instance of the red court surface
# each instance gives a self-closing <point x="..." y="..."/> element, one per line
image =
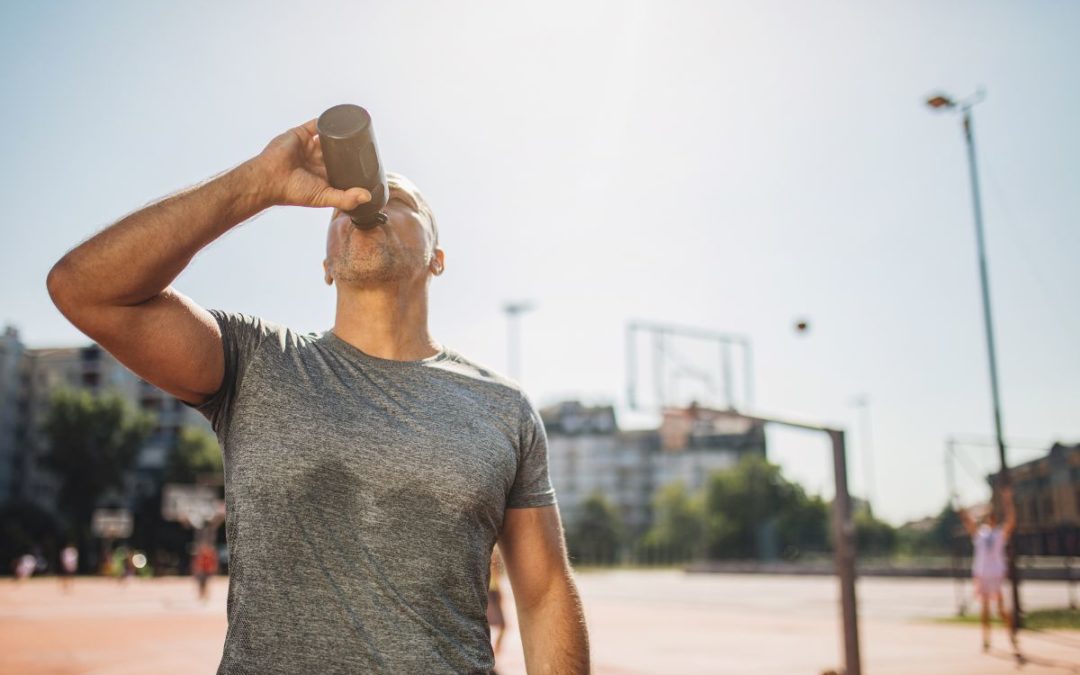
<point x="639" y="622"/>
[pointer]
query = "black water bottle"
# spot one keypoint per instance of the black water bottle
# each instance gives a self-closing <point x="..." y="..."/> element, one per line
<point x="352" y="159"/>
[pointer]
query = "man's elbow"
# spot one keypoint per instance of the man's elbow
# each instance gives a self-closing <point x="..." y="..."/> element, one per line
<point x="68" y="293"/>
<point x="59" y="285"/>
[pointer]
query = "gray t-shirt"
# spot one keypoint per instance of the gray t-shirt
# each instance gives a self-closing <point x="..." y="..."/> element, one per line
<point x="364" y="496"/>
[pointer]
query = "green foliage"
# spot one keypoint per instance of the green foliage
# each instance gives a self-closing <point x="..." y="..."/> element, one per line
<point x="750" y="511"/>
<point x="1034" y="620"/>
<point x="678" y="523"/>
<point x="947" y="530"/>
<point x="805" y="526"/>
<point x="1052" y="619"/>
<point x="92" y="441"/>
<point x="873" y="536"/>
<point x="747" y="511"/>
<point x="24" y="525"/>
<point x="740" y="502"/>
<point x="196" y="453"/>
<point x="944" y="536"/>
<point x="598" y="533"/>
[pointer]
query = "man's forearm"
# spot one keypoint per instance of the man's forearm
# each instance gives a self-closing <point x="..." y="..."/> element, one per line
<point x="553" y="633"/>
<point x="136" y="258"/>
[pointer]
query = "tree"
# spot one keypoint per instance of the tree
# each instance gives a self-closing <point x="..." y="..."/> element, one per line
<point x="804" y="526"/>
<point x="92" y="442"/>
<point x="742" y="504"/>
<point x="678" y="524"/>
<point x="597" y="533"/>
<point x="873" y="536"/>
<point x="196" y="453"/>
<point x="943" y="534"/>
<point x="24" y="526"/>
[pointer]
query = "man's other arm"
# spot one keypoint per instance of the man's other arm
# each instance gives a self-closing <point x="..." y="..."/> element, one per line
<point x="115" y="287"/>
<point x="549" y="610"/>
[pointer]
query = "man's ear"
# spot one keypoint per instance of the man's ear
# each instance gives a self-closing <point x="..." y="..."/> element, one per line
<point x="327" y="277"/>
<point x="438" y="262"/>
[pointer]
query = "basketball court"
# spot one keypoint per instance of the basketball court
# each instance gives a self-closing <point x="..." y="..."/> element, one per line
<point x="639" y="622"/>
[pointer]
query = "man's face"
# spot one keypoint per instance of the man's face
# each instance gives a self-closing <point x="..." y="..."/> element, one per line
<point x="399" y="250"/>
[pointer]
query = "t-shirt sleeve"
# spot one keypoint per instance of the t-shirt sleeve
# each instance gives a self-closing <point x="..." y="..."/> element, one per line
<point x="241" y="336"/>
<point x="532" y="484"/>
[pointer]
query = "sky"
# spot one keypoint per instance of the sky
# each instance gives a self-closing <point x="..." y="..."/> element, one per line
<point x="732" y="167"/>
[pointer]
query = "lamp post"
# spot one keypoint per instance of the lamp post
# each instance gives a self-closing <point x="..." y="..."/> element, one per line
<point x="944" y="103"/>
<point x="862" y="402"/>
<point x="514" y="310"/>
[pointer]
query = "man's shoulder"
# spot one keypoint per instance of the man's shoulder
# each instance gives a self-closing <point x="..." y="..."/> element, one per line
<point x="482" y="375"/>
<point x="260" y="329"/>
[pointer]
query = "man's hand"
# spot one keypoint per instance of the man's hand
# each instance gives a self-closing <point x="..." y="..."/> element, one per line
<point x="294" y="173"/>
<point x="115" y="287"/>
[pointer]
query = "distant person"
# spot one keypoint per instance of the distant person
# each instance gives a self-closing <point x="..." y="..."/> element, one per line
<point x="129" y="564"/>
<point x="204" y="566"/>
<point x="118" y="566"/>
<point x="69" y="564"/>
<point x="495" y="617"/>
<point x="370" y="469"/>
<point x="989" y="565"/>
<point x="25" y="566"/>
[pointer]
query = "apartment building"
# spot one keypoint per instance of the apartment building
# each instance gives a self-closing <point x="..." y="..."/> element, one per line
<point x="588" y="453"/>
<point x="28" y="377"/>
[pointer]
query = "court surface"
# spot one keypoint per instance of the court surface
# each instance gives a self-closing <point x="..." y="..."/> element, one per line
<point x="639" y="622"/>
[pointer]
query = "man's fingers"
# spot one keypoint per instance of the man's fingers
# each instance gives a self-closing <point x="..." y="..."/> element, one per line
<point x="357" y="196"/>
<point x="346" y="200"/>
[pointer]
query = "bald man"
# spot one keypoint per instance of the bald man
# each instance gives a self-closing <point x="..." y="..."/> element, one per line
<point x="369" y="470"/>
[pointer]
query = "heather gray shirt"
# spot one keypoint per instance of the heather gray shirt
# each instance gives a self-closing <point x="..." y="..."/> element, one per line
<point x="364" y="497"/>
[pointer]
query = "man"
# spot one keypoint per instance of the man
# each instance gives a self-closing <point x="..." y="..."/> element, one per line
<point x="369" y="471"/>
<point x="989" y="563"/>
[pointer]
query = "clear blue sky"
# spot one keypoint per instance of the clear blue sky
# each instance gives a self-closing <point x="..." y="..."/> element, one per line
<point x="731" y="166"/>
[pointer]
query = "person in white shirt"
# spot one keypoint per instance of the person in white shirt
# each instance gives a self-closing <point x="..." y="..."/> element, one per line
<point x="989" y="564"/>
<point x="69" y="563"/>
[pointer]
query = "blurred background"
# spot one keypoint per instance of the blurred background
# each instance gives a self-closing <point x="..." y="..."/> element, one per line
<point x="672" y="222"/>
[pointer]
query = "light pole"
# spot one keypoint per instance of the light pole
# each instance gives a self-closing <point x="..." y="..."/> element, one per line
<point x="862" y="402"/>
<point x="945" y="103"/>
<point x="514" y="310"/>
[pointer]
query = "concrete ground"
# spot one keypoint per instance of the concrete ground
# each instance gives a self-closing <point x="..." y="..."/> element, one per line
<point x="639" y="622"/>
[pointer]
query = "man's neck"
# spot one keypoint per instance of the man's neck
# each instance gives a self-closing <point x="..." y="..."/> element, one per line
<point x="388" y="322"/>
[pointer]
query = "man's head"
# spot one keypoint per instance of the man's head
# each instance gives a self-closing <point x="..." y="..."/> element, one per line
<point x="405" y="249"/>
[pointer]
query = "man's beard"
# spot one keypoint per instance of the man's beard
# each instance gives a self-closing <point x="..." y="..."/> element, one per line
<point x="377" y="262"/>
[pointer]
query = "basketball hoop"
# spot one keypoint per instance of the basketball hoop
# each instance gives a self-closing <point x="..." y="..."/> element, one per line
<point x="194" y="506"/>
<point x="112" y="523"/>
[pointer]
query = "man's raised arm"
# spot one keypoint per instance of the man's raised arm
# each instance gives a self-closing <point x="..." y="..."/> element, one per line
<point x="115" y="287"/>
